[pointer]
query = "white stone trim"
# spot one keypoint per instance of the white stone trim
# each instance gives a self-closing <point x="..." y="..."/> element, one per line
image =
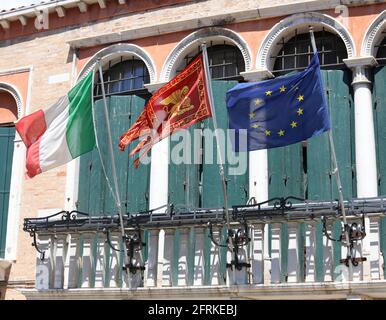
<point x="153" y="87"/>
<point x="15" y="70"/>
<point x="291" y="22"/>
<point x="72" y="168"/>
<point x="363" y="61"/>
<point x="121" y="49"/>
<point x="373" y="35"/>
<point x="14" y="92"/>
<point x="293" y="291"/>
<point x="18" y="164"/>
<point x="202" y="35"/>
<point x="258" y="175"/>
<point x="256" y="75"/>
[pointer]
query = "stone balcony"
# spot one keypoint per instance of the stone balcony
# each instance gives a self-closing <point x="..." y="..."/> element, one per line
<point x="280" y="251"/>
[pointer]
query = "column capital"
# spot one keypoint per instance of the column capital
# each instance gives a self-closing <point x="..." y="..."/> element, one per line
<point x="256" y="75"/>
<point x="153" y="87"/>
<point x="359" y="67"/>
<point x="367" y="61"/>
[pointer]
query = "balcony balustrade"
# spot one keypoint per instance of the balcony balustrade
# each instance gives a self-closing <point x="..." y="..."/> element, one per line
<point x="277" y="252"/>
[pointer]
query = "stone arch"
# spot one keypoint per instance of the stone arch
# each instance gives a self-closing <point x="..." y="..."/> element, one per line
<point x="373" y="35"/>
<point x="302" y="19"/>
<point x="15" y="94"/>
<point x="117" y="50"/>
<point x="194" y="38"/>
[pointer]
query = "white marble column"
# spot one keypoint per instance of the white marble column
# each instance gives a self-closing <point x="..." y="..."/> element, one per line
<point x="258" y="160"/>
<point x="159" y="169"/>
<point x="365" y="155"/>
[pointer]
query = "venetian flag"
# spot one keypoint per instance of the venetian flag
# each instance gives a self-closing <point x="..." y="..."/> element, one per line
<point x="177" y="105"/>
<point x="60" y="133"/>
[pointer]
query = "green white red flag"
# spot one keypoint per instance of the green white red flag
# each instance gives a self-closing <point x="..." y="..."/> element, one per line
<point x="60" y="133"/>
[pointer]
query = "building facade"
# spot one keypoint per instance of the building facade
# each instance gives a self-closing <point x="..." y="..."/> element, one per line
<point x="46" y="48"/>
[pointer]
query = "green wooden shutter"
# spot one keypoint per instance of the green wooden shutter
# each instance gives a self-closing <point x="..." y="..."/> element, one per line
<point x="94" y="195"/>
<point x="184" y="179"/>
<point x="7" y="136"/>
<point x="237" y="185"/>
<point x="288" y="174"/>
<point x="379" y="92"/>
<point x="321" y="183"/>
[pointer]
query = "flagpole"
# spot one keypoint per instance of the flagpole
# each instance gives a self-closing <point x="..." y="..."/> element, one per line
<point x="338" y="181"/>
<point x="114" y="171"/>
<point x="214" y="119"/>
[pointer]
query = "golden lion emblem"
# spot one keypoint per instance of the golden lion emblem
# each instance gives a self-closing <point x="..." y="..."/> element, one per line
<point x="179" y="101"/>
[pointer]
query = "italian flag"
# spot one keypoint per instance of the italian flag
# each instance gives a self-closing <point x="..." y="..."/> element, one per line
<point x="60" y="133"/>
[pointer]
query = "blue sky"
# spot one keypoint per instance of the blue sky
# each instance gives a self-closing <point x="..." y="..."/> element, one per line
<point x="16" y="3"/>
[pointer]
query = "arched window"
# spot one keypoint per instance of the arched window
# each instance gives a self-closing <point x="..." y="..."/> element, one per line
<point x="300" y="169"/>
<point x="123" y="76"/>
<point x="8" y="114"/>
<point x="296" y="53"/>
<point x="381" y="51"/>
<point x="225" y="61"/>
<point x="197" y="183"/>
<point x="124" y="80"/>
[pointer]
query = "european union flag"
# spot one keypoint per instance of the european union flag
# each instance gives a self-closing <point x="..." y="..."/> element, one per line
<point x="278" y="112"/>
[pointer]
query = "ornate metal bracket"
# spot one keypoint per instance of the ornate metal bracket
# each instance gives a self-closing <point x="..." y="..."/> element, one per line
<point x="34" y="244"/>
<point x="356" y="232"/>
<point x="133" y="244"/>
<point x="108" y="240"/>
<point x="239" y="238"/>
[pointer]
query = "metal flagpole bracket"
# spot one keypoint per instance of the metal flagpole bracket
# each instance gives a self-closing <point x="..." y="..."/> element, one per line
<point x="129" y="244"/>
<point x="133" y="244"/>
<point x="231" y="235"/>
<point x="349" y="235"/>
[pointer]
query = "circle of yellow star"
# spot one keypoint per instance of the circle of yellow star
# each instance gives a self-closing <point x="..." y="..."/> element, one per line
<point x="255" y="126"/>
<point x="267" y="133"/>
<point x="294" y="124"/>
<point x="251" y="115"/>
<point x="300" y="98"/>
<point x="281" y="133"/>
<point x="282" y="88"/>
<point x="300" y="111"/>
<point x="268" y="93"/>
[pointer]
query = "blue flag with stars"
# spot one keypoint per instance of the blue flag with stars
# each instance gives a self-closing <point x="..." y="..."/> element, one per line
<point x="278" y="112"/>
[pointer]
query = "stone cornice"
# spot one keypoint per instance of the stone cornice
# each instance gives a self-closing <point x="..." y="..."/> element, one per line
<point x="213" y="13"/>
<point x="324" y="290"/>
